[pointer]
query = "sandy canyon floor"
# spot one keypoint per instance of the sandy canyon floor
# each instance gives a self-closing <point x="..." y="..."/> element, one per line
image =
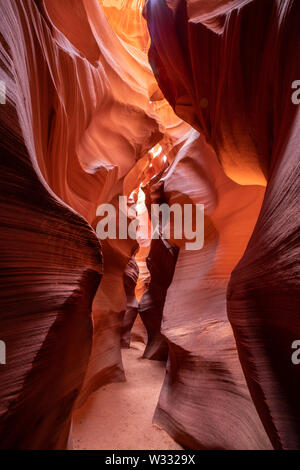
<point x="119" y="415"/>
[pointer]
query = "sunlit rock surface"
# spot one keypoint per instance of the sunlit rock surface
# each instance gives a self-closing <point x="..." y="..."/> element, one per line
<point x="50" y="270"/>
<point x="86" y="120"/>
<point x="227" y="68"/>
<point x="205" y="402"/>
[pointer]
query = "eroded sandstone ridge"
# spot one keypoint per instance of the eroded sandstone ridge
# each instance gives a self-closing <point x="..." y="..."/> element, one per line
<point x="205" y="402"/>
<point x="211" y="121"/>
<point x="67" y="92"/>
<point x="227" y="68"/>
<point x="50" y="270"/>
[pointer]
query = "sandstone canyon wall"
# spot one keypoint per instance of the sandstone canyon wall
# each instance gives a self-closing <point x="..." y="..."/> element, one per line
<point x="64" y="94"/>
<point x="205" y="402"/>
<point x="50" y="269"/>
<point x="87" y="120"/>
<point x="227" y="68"/>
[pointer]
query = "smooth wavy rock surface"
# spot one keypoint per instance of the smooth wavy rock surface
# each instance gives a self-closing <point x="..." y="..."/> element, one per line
<point x="50" y="269"/>
<point x="82" y="101"/>
<point x="130" y="280"/>
<point x="86" y="120"/>
<point x="205" y="402"/>
<point x="161" y="264"/>
<point x="227" y="68"/>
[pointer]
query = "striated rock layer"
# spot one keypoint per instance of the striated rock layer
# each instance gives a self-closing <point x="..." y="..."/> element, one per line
<point x="76" y="120"/>
<point x="205" y="402"/>
<point x="109" y="306"/>
<point x="227" y="68"/>
<point x="130" y="280"/>
<point x="50" y="270"/>
<point x="161" y="263"/>
<point x="85" y="122"/>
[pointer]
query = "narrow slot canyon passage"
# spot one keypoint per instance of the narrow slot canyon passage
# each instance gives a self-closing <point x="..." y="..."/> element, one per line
<point x="149" y="214"/>
<point x="119" y="415"/>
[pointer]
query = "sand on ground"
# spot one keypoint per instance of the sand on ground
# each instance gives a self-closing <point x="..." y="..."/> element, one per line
<point x="119" y="415"/>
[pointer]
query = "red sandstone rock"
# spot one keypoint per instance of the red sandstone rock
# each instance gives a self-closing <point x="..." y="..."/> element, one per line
<point x="130" y="280"/>
<point x="82" y="108"/>
<point x="227" y="68"/>
<point x="161" y="264"/>
<point x="85" y="118"/>
<point x="50" y="270"/>
<point x="205" y="402"/>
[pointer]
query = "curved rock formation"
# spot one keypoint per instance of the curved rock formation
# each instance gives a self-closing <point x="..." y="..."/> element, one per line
<point x="110" y="304"/>
<point x="205" y="403"/>
<point x="50" y="270"/>
<point x="161" y="263"/>
<point x="84" y="121"/>
<point x="130" y="280"/>
<point x="227" y="68"/>
<point x="67" y="93"/>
